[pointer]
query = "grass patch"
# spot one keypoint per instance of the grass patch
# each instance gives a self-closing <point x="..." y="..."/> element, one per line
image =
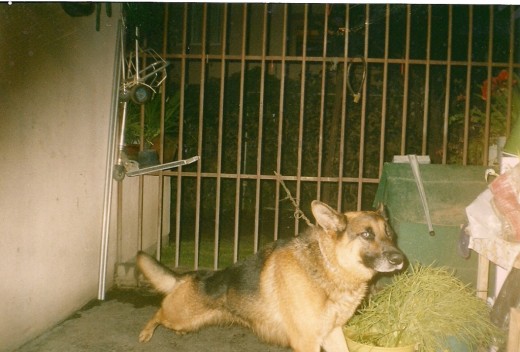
<point x="207" y="252"/>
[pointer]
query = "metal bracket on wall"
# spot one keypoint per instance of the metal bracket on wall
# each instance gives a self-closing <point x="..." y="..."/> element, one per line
<point x="161" y="167"/>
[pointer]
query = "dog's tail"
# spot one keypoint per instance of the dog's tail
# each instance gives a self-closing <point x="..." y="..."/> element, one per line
<point x="163" y="279"/>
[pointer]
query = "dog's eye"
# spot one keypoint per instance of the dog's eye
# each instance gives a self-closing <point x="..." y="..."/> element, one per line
<point x="367" y="235"/>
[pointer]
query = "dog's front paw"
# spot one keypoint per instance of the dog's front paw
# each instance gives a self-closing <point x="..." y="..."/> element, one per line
<point x="145" y="335"/>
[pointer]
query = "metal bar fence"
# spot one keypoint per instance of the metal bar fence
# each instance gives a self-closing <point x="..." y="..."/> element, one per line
<point x="266" y="99"/>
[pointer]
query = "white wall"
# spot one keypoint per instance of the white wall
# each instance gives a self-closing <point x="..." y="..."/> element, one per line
<point x="55" y="96"/>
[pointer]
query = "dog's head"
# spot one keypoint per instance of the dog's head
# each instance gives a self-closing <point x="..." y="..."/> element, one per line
<point x="359" y="240"/>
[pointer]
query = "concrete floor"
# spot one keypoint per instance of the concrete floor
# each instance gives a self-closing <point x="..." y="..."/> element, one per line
<point x="114" y="325"/>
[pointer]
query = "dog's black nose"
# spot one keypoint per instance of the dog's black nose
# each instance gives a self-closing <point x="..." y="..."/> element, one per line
<point x="394" y="257"/>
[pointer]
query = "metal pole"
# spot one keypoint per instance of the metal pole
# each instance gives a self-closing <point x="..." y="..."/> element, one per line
<point x="107" y="202"/>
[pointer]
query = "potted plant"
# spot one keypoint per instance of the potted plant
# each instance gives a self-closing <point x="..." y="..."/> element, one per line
<point x="426" y="309"/>
<point x="499" y="95"/>
<point x="152" y="125"/>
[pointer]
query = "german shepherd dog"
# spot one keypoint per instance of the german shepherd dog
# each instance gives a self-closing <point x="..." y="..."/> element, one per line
<point x="296" y="293"/>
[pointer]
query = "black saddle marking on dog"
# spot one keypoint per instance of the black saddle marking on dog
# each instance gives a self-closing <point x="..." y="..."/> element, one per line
<point x="243" y="276"/>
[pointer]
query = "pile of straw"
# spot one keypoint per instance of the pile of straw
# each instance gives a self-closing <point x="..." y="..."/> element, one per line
<point x="427" y="307"/>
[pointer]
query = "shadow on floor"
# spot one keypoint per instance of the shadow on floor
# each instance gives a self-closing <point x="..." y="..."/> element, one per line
<point x="114" y="325"/>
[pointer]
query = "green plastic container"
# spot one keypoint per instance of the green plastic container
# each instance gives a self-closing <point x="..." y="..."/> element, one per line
<point x="449" y="190"/>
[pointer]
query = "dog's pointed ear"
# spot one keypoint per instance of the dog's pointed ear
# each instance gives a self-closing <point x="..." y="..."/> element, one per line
<point x="381" y="210"/>
<point x="327" y="217"/>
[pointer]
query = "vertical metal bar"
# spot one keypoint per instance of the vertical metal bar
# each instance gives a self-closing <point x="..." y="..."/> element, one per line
<point x="260" y="131"/>
<point x="240" y="126"/>
<point x="344" y="96"/>
<point x="142" y="141"/>
<point x="200" y="133"/>
<point x="110" y="159"/>
<point x="488" y="101"/>
<point x="163" y="93"/>
<point x="140" y="206"/>
<point x="406" y="79"/>
<point x="160" y="201"/>
<point x="136" y="48"/>
<point x="180" y="142"/>
<point x="119" y="222"/>
<point x="220" y="128"/>
<point x="447" y="88"/>
<point x="510" y="70"/>
<point x="424" y="147"/>
<point x="122" y="78"/>
<point x="322" y="100"/>
<point x="384" y="95"/>
<point x="160" y="178"/>
<point x="302" y="113"/>
<point x="363" y="116"/>
<point x="280" y="123"/>
<point x="120" y="149"/>
<point x="468" y="87"/>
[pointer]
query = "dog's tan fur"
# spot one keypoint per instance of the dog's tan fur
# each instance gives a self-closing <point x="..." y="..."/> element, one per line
<point x="297" y="293"/>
